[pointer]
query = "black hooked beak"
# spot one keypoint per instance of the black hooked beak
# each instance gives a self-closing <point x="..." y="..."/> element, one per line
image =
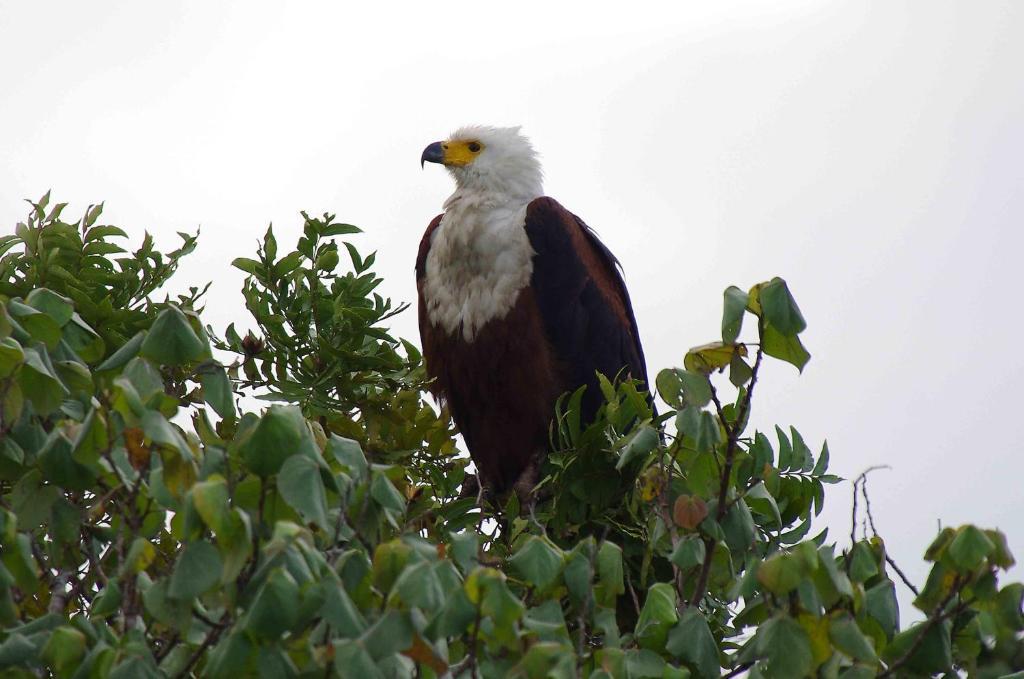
<point x="432" y="154"/>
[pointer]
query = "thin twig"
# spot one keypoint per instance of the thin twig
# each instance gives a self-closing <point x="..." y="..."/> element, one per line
<point x="211" y="638"/>
<point x="903" y="577"/>
<point x="867" y="504"/>
<point x="167" y="647"/>
<point x="871" y="522"/>
<point x="861" y="479"/>
<point x="632" y="594"/>
<point x="738" y="670"/>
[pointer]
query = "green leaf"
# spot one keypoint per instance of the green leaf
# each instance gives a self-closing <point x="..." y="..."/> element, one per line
<point x="821" y="466"/>
<point x="197" y="570"/>
<point x="738" y="525"/>
<point x="83" y="340"/>
<point x="144" y="377"/>
<point x="1002" y="556"/>
<point x="788" y="349"/>
<point x="6" y="325"/>
<point x="932" y="656"/>
<point x="643" y="663"/>
<point x="643" y="441"/>
<point x="40" y="326"/>
<point x="848" y="638"/>
<point x="160" y="431"/>
<point x="689" y="552"/>
<point x="547" y="659"/>
<point x="780" y="573"/>
<point x="656" y="617"/>
<point x="708" y="434"/>
<point x="786" y="647"/>
<point x="969" y="548"/>
<point x="107" y="602"/>
<point x="11" y="356"/>
<point x="140" y="555"/>
<point x="391" y="634"/>
<point x="302" y="487"/>
<point x="274" y="662"/>
<point x="669" y="386"/>
<point x="277" y="436"/>
<point x="881" y="604"/>
<point x="610" y="576"/>
<point x="57" y="307"/>
<point x="39" y="382"/>
<point x="691" y="640"/>
<point x="762" y="502"/>
<point x="352" y="659"/>
<point x="234" y="538"/>
<point x="938" y="585"/>
<point x="837" y="579"/>
<point x="339" y="610"/>
<point x="59" y="467"/>
<point x="419" y="586"/>
<point x="385" y="494"/>
<point x="547" y="621"/>
<point x="217" y="391"/>
<point x="17" y="649"/>
<point x="64" y="649"/>
<point x="349" y="453"/>
<point x="487" y="589"/>
<point x="538" y="562"/>
<point x="739" y="371"/>
<point x="249" y="266"/>
<point x="172" y="341"/>
<point x="339" y="230"/>
<point x="98" y="232"/>
<point x="732" y="315"/>
<point x="780" y="309"/>
<point x="699" y="425"/>
<point x="862" y="563"/>
<point x="125" y="353"/>
<point x="389" y="558"/>
<point x="231" y="658"/>
<point x="276" y="607"/>
<point x="210" y="498"/>
<point x="696" y="388"/>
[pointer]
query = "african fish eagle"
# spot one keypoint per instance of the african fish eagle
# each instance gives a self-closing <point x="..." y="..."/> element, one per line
<point x="519" y="302"/>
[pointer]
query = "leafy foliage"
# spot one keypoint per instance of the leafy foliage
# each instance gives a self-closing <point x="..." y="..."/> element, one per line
<point x="150" y="527"/>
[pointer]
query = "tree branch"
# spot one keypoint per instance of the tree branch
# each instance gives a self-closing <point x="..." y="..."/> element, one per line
<point x="938" y="615"/>
<point x="211" y="638"/>
<point x="733" y="433"/>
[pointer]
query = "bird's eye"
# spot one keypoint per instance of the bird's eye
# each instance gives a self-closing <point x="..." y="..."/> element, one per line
<point x="474" y="146"/>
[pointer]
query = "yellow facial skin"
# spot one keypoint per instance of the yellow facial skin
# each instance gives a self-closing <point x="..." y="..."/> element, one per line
<point x="460" y="153"/>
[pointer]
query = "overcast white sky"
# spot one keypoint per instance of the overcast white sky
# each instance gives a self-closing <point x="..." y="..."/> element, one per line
<point x="869" y="153"/>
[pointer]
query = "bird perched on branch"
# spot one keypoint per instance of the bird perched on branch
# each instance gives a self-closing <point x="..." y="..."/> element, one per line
<point x="519" y="302"/>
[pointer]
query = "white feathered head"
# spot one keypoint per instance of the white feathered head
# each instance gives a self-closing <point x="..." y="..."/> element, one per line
<point x="494" y="160"/>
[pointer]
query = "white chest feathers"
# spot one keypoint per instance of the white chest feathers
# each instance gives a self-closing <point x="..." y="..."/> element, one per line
<point x="480" y="258"/>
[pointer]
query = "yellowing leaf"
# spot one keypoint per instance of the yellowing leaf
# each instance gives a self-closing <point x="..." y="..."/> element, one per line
<point x="712" y="356"/>
<point x="817" y="631"/>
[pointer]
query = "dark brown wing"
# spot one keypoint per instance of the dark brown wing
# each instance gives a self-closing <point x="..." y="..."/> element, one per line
<point x="583" y="301"/>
